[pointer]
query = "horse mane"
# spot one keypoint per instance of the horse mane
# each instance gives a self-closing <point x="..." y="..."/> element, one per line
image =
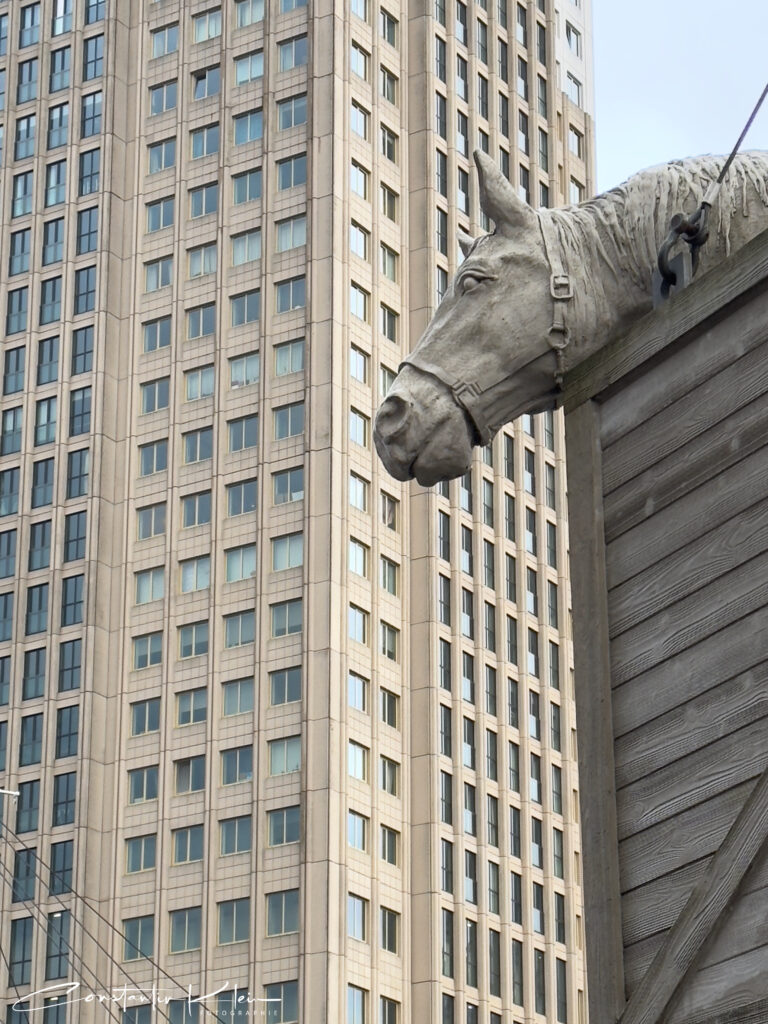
<point x="621" y="230"/>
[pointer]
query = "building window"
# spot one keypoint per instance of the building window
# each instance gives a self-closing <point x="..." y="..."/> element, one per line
<point x="89" y="172"/>
<point x="190" y="774"/>
<point x="162" y="97"/>
<point x="287" y="618"/>
<point x="249" y="12"/>
<point x="16" y="312"/>
<point x="236" y="765"/>
<point x="68" y="720"/>
<point x="90" y="115"/>
<point x="186" y="928"/>
<point x="283" y="912"/>
<point x="234" y="920"/>
<point x="140" y="853"/>
<point x="292" y="112"/>
<point x="201" y="321"/>
<point x="64" y="788"/>
<point x="206" y="82"/>
<point x="235" y="835"/>
<point x="247" y="186"/>
<point x="288" y="421"/>
<point x="288" y="485"/>
<point x="203" y="200"/>
<point x="242" y="497"/>
<point x="150" y="521"/>
<point x="165" y="40"/>
<point x="207" y="26"/>
<point x="26" y="88"/>
<point x="147" y="650"/>
<point x="357" y="915"/>
<point x="70" y="661"/>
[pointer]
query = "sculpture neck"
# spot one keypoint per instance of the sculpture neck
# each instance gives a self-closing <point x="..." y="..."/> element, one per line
<point x="611" y="290"/>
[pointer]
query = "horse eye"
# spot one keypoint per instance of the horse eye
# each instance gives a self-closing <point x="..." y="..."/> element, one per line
<point x="468" y="283"/>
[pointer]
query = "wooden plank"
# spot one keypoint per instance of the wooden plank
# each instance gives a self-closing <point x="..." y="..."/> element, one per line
<point x="754" y="1013"/>
<point x="670" y="845"/>
<point x="710" y="296"/>
<point x="738" y="384"/>
<point x="688" y="569"/>
<point x="726" y="988"/>
<point x="738" y="648"/>
<point x="638" y="959"/>
<point x="683" y="369"/>
<point x="719" y="712"/>
<point x="654" y="907"/>
<point x="694" y="779"/>
<point x="707" y="903"/>
<point x="739" y="487"/>
<point x="720" y="603"/>
<point x="687" y="469"/>
<point x="744" y="928"/>
<point x="602" y="898"/>
<point x="652" y="439"/>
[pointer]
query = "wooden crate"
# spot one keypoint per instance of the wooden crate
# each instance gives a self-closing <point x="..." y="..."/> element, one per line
<point x="667" y="437"/>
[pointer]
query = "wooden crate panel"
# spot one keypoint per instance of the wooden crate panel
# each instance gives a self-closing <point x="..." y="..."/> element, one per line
<point x="654" y="907"/>
<point x="687" y="570"/>
<point x="701" y="409"/>
<point x="673" y="843"/>
<point x="698" y="463"/>
<point x="736" y="649"/>
<point x="695" y="779"/>
<point x="723" y="988"/>
<point x="720" y="603"/>
<point x="682" y="369"/>
<point x="716" y="713"/>
<point x="661" y="535"/>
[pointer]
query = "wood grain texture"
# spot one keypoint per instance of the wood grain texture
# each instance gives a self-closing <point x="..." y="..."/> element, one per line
<point x="673" y="843"/>
<point x="706" y="906"/>
<point x="696" y="464"/>
<point x="682" y="625"/>
<point x="694" y="779"/>
<point x="717" y="713"/>
<point x="725" y="988"/>
<point x="654" y="907"/>
<point x="707" y="297"/>
<point x="683" y="369"/>
<point x="638" y="959"/>
<point x="741" y="486"/>
<point x="733" y="650"/>
<point x="714" y="400"/>
<point x="743" y="928"/>
<point x="602" y="899"/>
<point x="754" y="1013"/>
<point x="688" y="569"/>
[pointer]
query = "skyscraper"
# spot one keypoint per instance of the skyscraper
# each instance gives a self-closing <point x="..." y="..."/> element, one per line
<point x="278" y="724"/>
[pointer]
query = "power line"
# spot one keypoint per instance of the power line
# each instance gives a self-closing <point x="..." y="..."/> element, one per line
<point x="109" y="924"/>
<point x="71" y="960"/>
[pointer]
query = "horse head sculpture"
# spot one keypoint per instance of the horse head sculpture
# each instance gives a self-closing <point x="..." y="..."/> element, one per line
<point x="545" y="290"/>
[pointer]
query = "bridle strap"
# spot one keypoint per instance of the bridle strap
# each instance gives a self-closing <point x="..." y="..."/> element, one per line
<point x="561" y="292"/>
<point x="483" y="401"/>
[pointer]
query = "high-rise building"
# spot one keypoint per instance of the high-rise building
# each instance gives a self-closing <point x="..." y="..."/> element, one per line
<point x="278" y="724"/>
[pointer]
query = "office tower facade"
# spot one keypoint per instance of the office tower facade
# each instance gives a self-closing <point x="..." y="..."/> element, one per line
<point x="286" y="734"/>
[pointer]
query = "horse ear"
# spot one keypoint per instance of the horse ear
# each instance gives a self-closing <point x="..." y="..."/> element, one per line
<point x="498" y="199"/>
<point x="465" y="241"/>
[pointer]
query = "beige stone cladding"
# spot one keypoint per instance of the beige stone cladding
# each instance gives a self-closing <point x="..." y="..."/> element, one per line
<point x="224" y="696"/>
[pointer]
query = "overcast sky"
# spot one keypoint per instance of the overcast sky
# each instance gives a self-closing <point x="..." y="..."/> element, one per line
<point x="676" y="78"/>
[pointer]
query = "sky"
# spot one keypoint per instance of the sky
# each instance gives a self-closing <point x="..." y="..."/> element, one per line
<point x="676" y="78"/>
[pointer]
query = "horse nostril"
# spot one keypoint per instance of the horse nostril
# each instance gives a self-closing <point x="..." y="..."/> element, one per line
<point x="391" y="417"/>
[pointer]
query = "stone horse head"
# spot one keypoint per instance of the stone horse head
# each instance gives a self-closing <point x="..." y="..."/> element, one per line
<point x="482" y="356"/>
<point x="545" y="290"/>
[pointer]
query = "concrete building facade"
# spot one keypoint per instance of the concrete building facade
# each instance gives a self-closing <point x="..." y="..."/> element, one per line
<point x="286" y="734"/>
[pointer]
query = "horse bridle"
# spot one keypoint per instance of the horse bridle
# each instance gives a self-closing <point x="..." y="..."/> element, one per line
<point x="483" y="401"/>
